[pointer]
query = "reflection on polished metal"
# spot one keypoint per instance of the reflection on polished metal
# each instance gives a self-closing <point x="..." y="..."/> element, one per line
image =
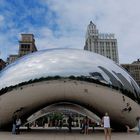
<point x="69" y="75"/>
<point x="63" y="108"/>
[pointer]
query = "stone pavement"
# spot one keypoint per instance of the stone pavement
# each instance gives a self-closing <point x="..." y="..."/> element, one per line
<point x="52" y="134"/>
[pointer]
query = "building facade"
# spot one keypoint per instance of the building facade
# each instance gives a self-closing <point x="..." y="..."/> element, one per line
<point x="12" y="58"/>
<point x="134" y="70"/>
<point x="27" y="44"/>
<point x="2" y="64"/>
<point x="104" y="44"/>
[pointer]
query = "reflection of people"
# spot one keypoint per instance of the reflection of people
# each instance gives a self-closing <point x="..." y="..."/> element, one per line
<point x="127" y="108"/>
<point x="107" y="129"/>
<point x="123" y="98"/>
<point x="138" y="124"/>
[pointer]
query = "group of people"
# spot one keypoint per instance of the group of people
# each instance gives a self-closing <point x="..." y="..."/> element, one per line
<point x="85" y="125"/>
<point x="106" y="125"/>
<point x="107" y="128"/>
<point x="16" y="124"/>
<point x="58" y="124"/>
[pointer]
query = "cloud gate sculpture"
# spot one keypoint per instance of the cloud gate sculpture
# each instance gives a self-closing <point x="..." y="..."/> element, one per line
<point x="68" y="75"/>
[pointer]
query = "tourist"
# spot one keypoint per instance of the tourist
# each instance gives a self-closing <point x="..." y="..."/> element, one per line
<point x="82" y="125"/>
<point x="106" y="124"/>
<point x="28" y="127"/>
<point x="18" y="124"/>
<point x="70" y="123"/>
<point x="93" y="125"/>
<point x="60" y="124"/>
<point x="14" y="124"/>
<point x="86" y="124"/>
<point x="56" y="123"/>
<point x="138" y="124"/>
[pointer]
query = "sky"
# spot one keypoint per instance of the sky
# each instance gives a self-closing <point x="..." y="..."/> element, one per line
<point x="63" y="23"/>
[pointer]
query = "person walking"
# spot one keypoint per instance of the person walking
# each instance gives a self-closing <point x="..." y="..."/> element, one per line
<point x="82" y="126"/>
<point x="86" y="123"/>
<point x="70" y="123"/>
<point x="138" y="124"/>
<point x="107" y="128"/>
<point x="60" y="124"/>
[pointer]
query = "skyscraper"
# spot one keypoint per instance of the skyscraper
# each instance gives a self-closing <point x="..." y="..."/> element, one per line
<point x="26" y="44"/>
<point x="104" y="44"/>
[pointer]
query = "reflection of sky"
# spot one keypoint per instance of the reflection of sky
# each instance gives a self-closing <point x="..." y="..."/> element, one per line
<point x="63" y="62"/>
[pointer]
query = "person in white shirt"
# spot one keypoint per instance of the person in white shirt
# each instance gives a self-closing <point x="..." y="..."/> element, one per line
<point x="107" y="128"/>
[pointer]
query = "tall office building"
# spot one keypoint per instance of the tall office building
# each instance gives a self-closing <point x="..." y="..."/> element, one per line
<point x="104" y="44"/>
<point x="134" y="70"/>
<point x="26" y="44"/>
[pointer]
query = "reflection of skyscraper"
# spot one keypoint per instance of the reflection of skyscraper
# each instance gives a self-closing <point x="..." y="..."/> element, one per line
<point x="12" y="58"/>
<point x="134" y="70"/>
<point x="26" y="44"/>
<point x="104" y="44"/>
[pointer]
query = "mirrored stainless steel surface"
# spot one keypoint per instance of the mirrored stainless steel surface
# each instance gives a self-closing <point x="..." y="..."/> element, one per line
<point x="67" y="62"/>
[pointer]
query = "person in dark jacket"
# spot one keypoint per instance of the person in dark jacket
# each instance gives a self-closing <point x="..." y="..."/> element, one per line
<point x="70" y="123"/>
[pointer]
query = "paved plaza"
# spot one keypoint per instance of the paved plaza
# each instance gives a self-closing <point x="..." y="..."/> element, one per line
<point x="52" y="134"/>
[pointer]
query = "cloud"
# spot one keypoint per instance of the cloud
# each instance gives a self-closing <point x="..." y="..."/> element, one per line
<point x="47" y="38"/>
<point x="63" y="23"/>
<point x="113" y="16"/>
<point x="1" y="20"/>
<point x="8" y="47"/>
